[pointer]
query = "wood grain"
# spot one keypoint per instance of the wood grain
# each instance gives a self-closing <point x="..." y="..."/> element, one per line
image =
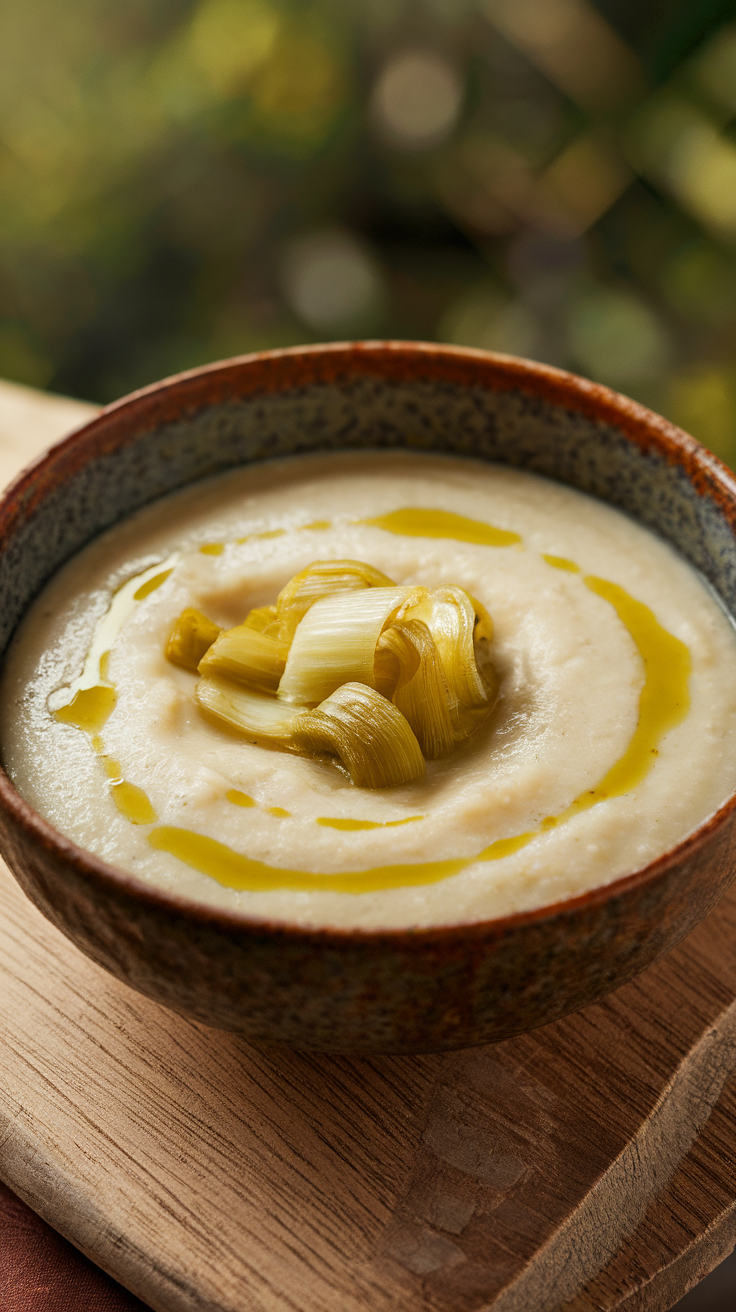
<point x="202" y="1172"/>
<point x="30" y="421"/>
<point x="587" y="1165"/>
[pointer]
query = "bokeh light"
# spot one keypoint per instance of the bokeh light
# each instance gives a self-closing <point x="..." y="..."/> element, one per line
<point x="704" y="401"/>
<point x="487" y="319"/>
<point x="417" y="99"/>
<point x="715" y="68"/>
<point x="331" y="282"/>
<point x="228" y="40"/>
<point x="182" y="180"/>
<point x="616" y="338"/>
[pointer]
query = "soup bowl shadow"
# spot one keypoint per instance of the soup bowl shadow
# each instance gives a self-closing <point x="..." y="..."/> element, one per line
<point x="356" y="990"/>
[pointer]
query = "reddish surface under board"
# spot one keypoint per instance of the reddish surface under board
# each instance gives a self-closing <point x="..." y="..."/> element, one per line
<point x="41" y="1272"/>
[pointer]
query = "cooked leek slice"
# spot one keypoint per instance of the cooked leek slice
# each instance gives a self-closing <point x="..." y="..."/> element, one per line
<point x="483" y="628"/>
<point x="376" y="675"/>
<point x="323" y="578"/>
<point x="394" y="659"/>
<point x="336" y="643"/>
<point x="258" y="717"/>
<point x="190" y="638"/>
<point x="367" y="733"/>
<point x="262" y="618"/>
<point x="421" y="693"/>
<point x="450" y="617"/>
<point x="482" y="639"/>
<point x="248" y="656"/>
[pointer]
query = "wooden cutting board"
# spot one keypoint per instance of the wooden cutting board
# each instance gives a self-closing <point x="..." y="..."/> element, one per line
<point x="590" y="1165"/>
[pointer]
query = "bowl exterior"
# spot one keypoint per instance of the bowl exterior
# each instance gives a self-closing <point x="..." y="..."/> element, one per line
<point x="397" y="991"/>
<point x="393" y="992"/>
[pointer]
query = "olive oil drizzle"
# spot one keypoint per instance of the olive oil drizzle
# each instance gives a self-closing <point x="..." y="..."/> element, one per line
<point x="150" y="585"/>
<point x="242" y="799"/>
<point x="235" y="796"/>
<point x="409" y="521"/>
<point x="663" y="703"/>
<point x="350" y="825"/>
<point x="122" y="605"/>
<point x="244" y="873"/>
<point x="89" y="708"/>
<point x="133" y="803"/>
<point x="93" y="696"/>
<point x="217" y="548"/>
<point x="561" y="562"/>
<point x="418" y="522"/>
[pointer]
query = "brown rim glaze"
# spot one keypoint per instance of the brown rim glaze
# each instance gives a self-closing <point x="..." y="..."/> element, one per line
<point x="24" y="831"/>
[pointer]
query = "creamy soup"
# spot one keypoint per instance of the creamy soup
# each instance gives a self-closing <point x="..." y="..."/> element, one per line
<point x="613" y="737"/>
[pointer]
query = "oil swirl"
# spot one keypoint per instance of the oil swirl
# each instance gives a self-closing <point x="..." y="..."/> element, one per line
<point x="663" y="703"/>
<point x="418" y="522"/>
<point x="235" y="796"/>
<point x="245" y="874"/>
<point x="93" y="698"/>
<point x="336" y="822"/>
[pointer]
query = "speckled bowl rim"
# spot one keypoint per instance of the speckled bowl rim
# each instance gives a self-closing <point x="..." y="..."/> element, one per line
<point x="648" y="430"/>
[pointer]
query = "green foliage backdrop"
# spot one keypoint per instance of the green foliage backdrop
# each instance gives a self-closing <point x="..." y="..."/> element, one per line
<point x="182" y="180"/>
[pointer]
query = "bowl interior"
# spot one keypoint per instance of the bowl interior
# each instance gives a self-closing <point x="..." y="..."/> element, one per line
<point x="430" y="399"/>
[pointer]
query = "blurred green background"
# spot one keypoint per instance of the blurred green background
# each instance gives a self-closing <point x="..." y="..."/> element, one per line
<point x="182" y="180"/>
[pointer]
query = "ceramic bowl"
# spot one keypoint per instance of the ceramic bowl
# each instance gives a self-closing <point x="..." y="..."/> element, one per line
<point x="399" y="990"/>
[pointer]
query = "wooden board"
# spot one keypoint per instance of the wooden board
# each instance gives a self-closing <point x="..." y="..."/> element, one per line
<point x="586" y="1166"/>
<point x="30" y="421"/>
<point x="203" y="1173"/>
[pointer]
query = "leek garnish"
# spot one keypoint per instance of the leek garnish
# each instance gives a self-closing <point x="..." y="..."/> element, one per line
<point x="261" y="619"/>
<point x="450" y="617"/>
<point x="255" y="715"/>
<point x="248" y="656"/>
<point x="336" y="643"/>
<point x="482" y="639"/>
<point x="189" y="639"/>
<point x="421" y="693"/>
<point x="323" y="578"/>
<point x="367" y="733"/>
<point x="349" y="666"/>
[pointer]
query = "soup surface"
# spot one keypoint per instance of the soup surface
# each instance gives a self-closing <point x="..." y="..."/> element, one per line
<point x="613" y="737"/>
